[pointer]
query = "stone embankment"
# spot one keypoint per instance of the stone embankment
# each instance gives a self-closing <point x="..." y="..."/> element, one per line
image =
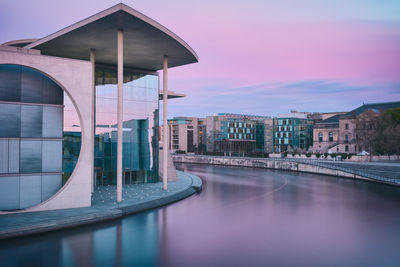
<point x="297" y="165"/>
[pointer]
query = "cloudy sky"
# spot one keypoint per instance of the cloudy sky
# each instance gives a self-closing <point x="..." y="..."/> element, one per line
<point x="260" y="57"/>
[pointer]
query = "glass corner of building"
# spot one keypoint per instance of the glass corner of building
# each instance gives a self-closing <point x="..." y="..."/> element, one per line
<point x="140" y="127"/>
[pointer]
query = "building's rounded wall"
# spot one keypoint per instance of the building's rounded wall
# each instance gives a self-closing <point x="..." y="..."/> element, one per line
<point x="33" y="145"/>
<point x="75" y="78"/>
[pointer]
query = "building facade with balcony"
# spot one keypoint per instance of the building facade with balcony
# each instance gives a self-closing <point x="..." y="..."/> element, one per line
<point x="186" y="134"/>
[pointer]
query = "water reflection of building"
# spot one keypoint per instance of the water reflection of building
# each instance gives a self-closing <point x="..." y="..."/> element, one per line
<point x="73" y="99"/>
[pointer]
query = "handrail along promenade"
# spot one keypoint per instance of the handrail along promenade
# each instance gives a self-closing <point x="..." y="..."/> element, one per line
<point x="333" y="165"/>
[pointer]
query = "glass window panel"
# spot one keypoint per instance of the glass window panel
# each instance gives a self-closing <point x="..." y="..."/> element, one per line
<point x="140" y="116"/>
<point x="72" y="135"/>
<point x="10" y="94"/>
<point x="31" y="86"/>
<point x="10" y="118"/>
<point x="71" y="121"/>
<point x="107" y="91"/>
<point x="4" y="156"/>
<point x="52" y="122"/>
<point x="52" y="93"/>
<point x="106" y="105"/>
<point x="135" y="107"/>
<point x="9" y="193"/>
<point x="10" y="83"/>
<point x="52" y="156"/>
<point x="31" y="156"/>
<point x="30" y="191"/>
<point x="31" y="121"/>
<point x="50" y="185"/>
<point x="13" y="156"/>
<point x="151" y="81"/>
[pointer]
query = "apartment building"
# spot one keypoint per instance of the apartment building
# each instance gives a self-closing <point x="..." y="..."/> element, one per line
<point x="237" y="133"/>
<point x="186" y="134"/>
<point x="292" y="131"/>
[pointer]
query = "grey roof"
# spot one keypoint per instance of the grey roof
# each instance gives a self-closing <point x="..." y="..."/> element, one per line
<point x="145" y="40"/>
<point x="20" y="43"/>
<point x="333" y="119"/>
<point x="376" y="107"/>
<point x="373" y="106"/>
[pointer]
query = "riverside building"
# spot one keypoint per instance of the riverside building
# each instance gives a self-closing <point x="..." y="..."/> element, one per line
<point x="186" y="134"/>
<point x="236" y="133"/>
<point x="338" y="133"/>
<point x="79" y="108"/>
<point x="292" y="131"/>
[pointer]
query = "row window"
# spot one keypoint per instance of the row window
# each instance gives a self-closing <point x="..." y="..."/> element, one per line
<point x="240" y="124"/>
<point x="28" y="156"/>
<point x="321" y="139"/>
<point x="19" y="192"/>
<point x="283" y="122"/>
<point x="283" y="129"/>
<point x="29" y="121"/>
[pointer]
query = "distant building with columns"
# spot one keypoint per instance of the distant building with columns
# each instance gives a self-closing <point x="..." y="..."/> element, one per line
<point x="338" y="134"/>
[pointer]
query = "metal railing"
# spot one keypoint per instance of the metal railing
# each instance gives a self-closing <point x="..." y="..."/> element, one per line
<point x="323" y="164"/>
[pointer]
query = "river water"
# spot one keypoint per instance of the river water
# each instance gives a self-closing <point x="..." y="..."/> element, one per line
<point x="243" y="217"/>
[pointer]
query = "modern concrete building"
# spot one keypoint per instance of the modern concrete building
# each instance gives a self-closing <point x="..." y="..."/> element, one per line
<point x="185" y="134"/>
<point x="80" y="107"/>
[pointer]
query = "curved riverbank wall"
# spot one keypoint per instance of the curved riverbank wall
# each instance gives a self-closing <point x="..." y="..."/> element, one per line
<point x="269" y="164"/>
<point x="354" y="158"/>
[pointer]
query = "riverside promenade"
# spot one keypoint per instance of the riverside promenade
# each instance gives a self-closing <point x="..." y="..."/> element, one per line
<point x="136" y="198"/>
<point x="388" y="173"/>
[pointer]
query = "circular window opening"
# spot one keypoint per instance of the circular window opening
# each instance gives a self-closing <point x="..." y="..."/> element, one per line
<point x="40" y="137"/>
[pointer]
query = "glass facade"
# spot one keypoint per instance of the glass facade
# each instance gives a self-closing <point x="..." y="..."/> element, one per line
<point x="292" y="134"/>
<point x="140" y="127"/>
<point x="32" y="142"/>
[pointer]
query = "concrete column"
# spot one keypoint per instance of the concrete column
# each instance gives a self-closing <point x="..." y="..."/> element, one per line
<point x="165" y="123"/>
<point x="92" y="61"/>
<point x="120" y="112"/>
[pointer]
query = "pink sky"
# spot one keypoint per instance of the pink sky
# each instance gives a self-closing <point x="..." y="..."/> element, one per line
<point x="259" y="57"/>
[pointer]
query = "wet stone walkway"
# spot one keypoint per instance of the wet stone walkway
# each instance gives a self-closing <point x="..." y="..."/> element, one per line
<point x="106" y="196"/>
<point x="136" y="198"/>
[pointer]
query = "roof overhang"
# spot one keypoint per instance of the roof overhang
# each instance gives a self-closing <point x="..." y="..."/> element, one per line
<point x="146" y="42"/>
<point x="170" y="95"/>
<point x="20" y="43"/>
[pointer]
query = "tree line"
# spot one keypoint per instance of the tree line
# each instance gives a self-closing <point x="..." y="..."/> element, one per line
<point x="379" y="133"/>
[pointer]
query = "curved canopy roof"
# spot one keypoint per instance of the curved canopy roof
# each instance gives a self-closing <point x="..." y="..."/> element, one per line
<point x="20" y="43"/>
<point x="145" y="40"/>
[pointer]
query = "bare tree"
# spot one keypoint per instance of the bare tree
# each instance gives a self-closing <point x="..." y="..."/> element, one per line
<point x="387" y="134"/>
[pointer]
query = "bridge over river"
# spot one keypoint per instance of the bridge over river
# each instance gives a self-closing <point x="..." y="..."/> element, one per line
<point x="243" y="217"/>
